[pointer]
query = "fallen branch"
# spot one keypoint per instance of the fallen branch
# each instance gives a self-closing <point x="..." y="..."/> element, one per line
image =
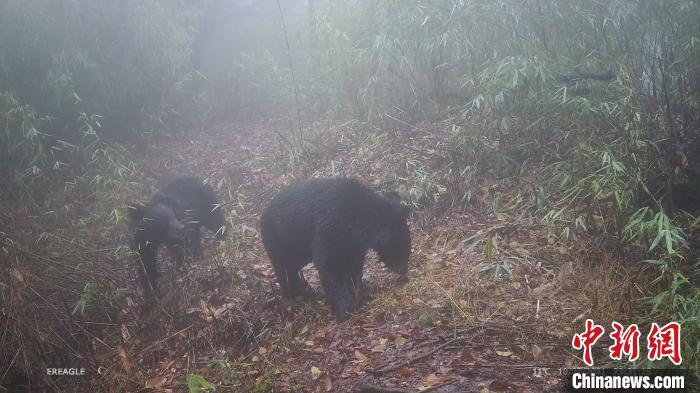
<point x="378" y="389"/>
<point x="424" y="355"/>
<point x="363" y="388"/>
<point x="414" y="359"/>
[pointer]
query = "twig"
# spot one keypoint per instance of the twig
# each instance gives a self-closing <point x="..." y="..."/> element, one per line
<point x="365" y="388"/>
<point x="438" y="386"/>
<point x="378" y="389"/>
<point x="416" y="358"/>
<point x="163" y="340"/>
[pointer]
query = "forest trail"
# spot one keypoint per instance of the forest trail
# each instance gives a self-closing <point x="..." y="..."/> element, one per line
<point x="455" y="327"/>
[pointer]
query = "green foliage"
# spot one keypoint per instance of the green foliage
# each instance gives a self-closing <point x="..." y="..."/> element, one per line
<point x="658" y="230"/>
<point x="421" y="187"/>
<point x="264" y="383"/>
<point x="198" y="384"/>
<point x="680" y="302"/>
<point x="25" y="153"/>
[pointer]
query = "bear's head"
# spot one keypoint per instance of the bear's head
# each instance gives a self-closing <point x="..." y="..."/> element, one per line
<point x="156" y="223"/>
<point x="393" y="243"/>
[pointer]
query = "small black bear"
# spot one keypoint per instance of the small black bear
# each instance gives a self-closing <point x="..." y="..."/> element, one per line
<point x="333" y="222"/>
<point x="173" y="216"/>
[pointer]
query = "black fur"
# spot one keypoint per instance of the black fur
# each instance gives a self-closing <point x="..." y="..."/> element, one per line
<point x="173" y="217"/>
<point x="683" y="196"/>
<point x="333" y="222"/>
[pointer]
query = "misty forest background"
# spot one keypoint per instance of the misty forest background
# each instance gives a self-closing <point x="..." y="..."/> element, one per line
<point x="576" y="120"/>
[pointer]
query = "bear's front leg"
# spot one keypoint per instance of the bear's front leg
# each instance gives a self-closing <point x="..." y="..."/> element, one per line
<point x="147" y="267"/>
<point x="334" y="280"/>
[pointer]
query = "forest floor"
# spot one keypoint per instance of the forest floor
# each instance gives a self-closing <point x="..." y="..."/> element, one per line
<point x="492" y="304"/>
<point x="459" y="325"/>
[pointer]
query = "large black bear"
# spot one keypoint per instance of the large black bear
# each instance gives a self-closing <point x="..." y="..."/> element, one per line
<point x="173" y="217"/>
<point x="333" y="222"/>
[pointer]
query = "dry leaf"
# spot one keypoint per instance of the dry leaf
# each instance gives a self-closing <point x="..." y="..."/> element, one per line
<point x="406" y="372"/>
<point x="156" y="382"/>
<point x="315" y="372"/>
<point x="545" y="290"/>
<point x="504" y="353"/>
<point x="167" y="366"/>
<point x="126" y="335"/>
<point x="360" y="356"/>
<point x="126" y="363"/>
<point x="379" y="349"/>
<point x="468" y="357"/>
<point x="429" y="381"/>
<point x="537" y="352"/>
<point x="500" y="385"/>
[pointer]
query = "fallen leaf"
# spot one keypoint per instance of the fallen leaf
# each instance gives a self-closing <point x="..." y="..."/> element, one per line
<point x="156" y="382"/>
<point x="219" y="311"/>
<point x="545" y="290"/>
<point x="500" y="385"/>
<point x="126" y="335"/>
<point x="428" y="381"/>
<point x="406" y="372"/>
<point x="504" y="353"/>
<point x="360" y="356"/>
<point x="167" y="366"/>
<point x="427" y="320"/>
<point x="468" y="358"/>
<point x="379" y="349"/>
<point x="126" y="363"/>
<point x="315" y="372"/>
<point x="17" y="275"/>
<point x="537" y="352"/>
<point x="399" y="340"/>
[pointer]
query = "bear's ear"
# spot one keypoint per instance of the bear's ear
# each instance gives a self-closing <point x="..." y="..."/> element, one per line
<point x="135" y="213"/>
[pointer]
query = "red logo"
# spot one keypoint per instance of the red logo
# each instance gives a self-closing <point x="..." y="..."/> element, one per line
<point x="665" y="342"/>
<point x="625" y="342"/>
<point x="586" y="340"/>
<point x="662" y="342"/>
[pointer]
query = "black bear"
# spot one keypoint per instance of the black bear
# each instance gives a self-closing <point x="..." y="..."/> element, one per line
<point x="173" y="216"/>
<point x="333" y="222"/>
